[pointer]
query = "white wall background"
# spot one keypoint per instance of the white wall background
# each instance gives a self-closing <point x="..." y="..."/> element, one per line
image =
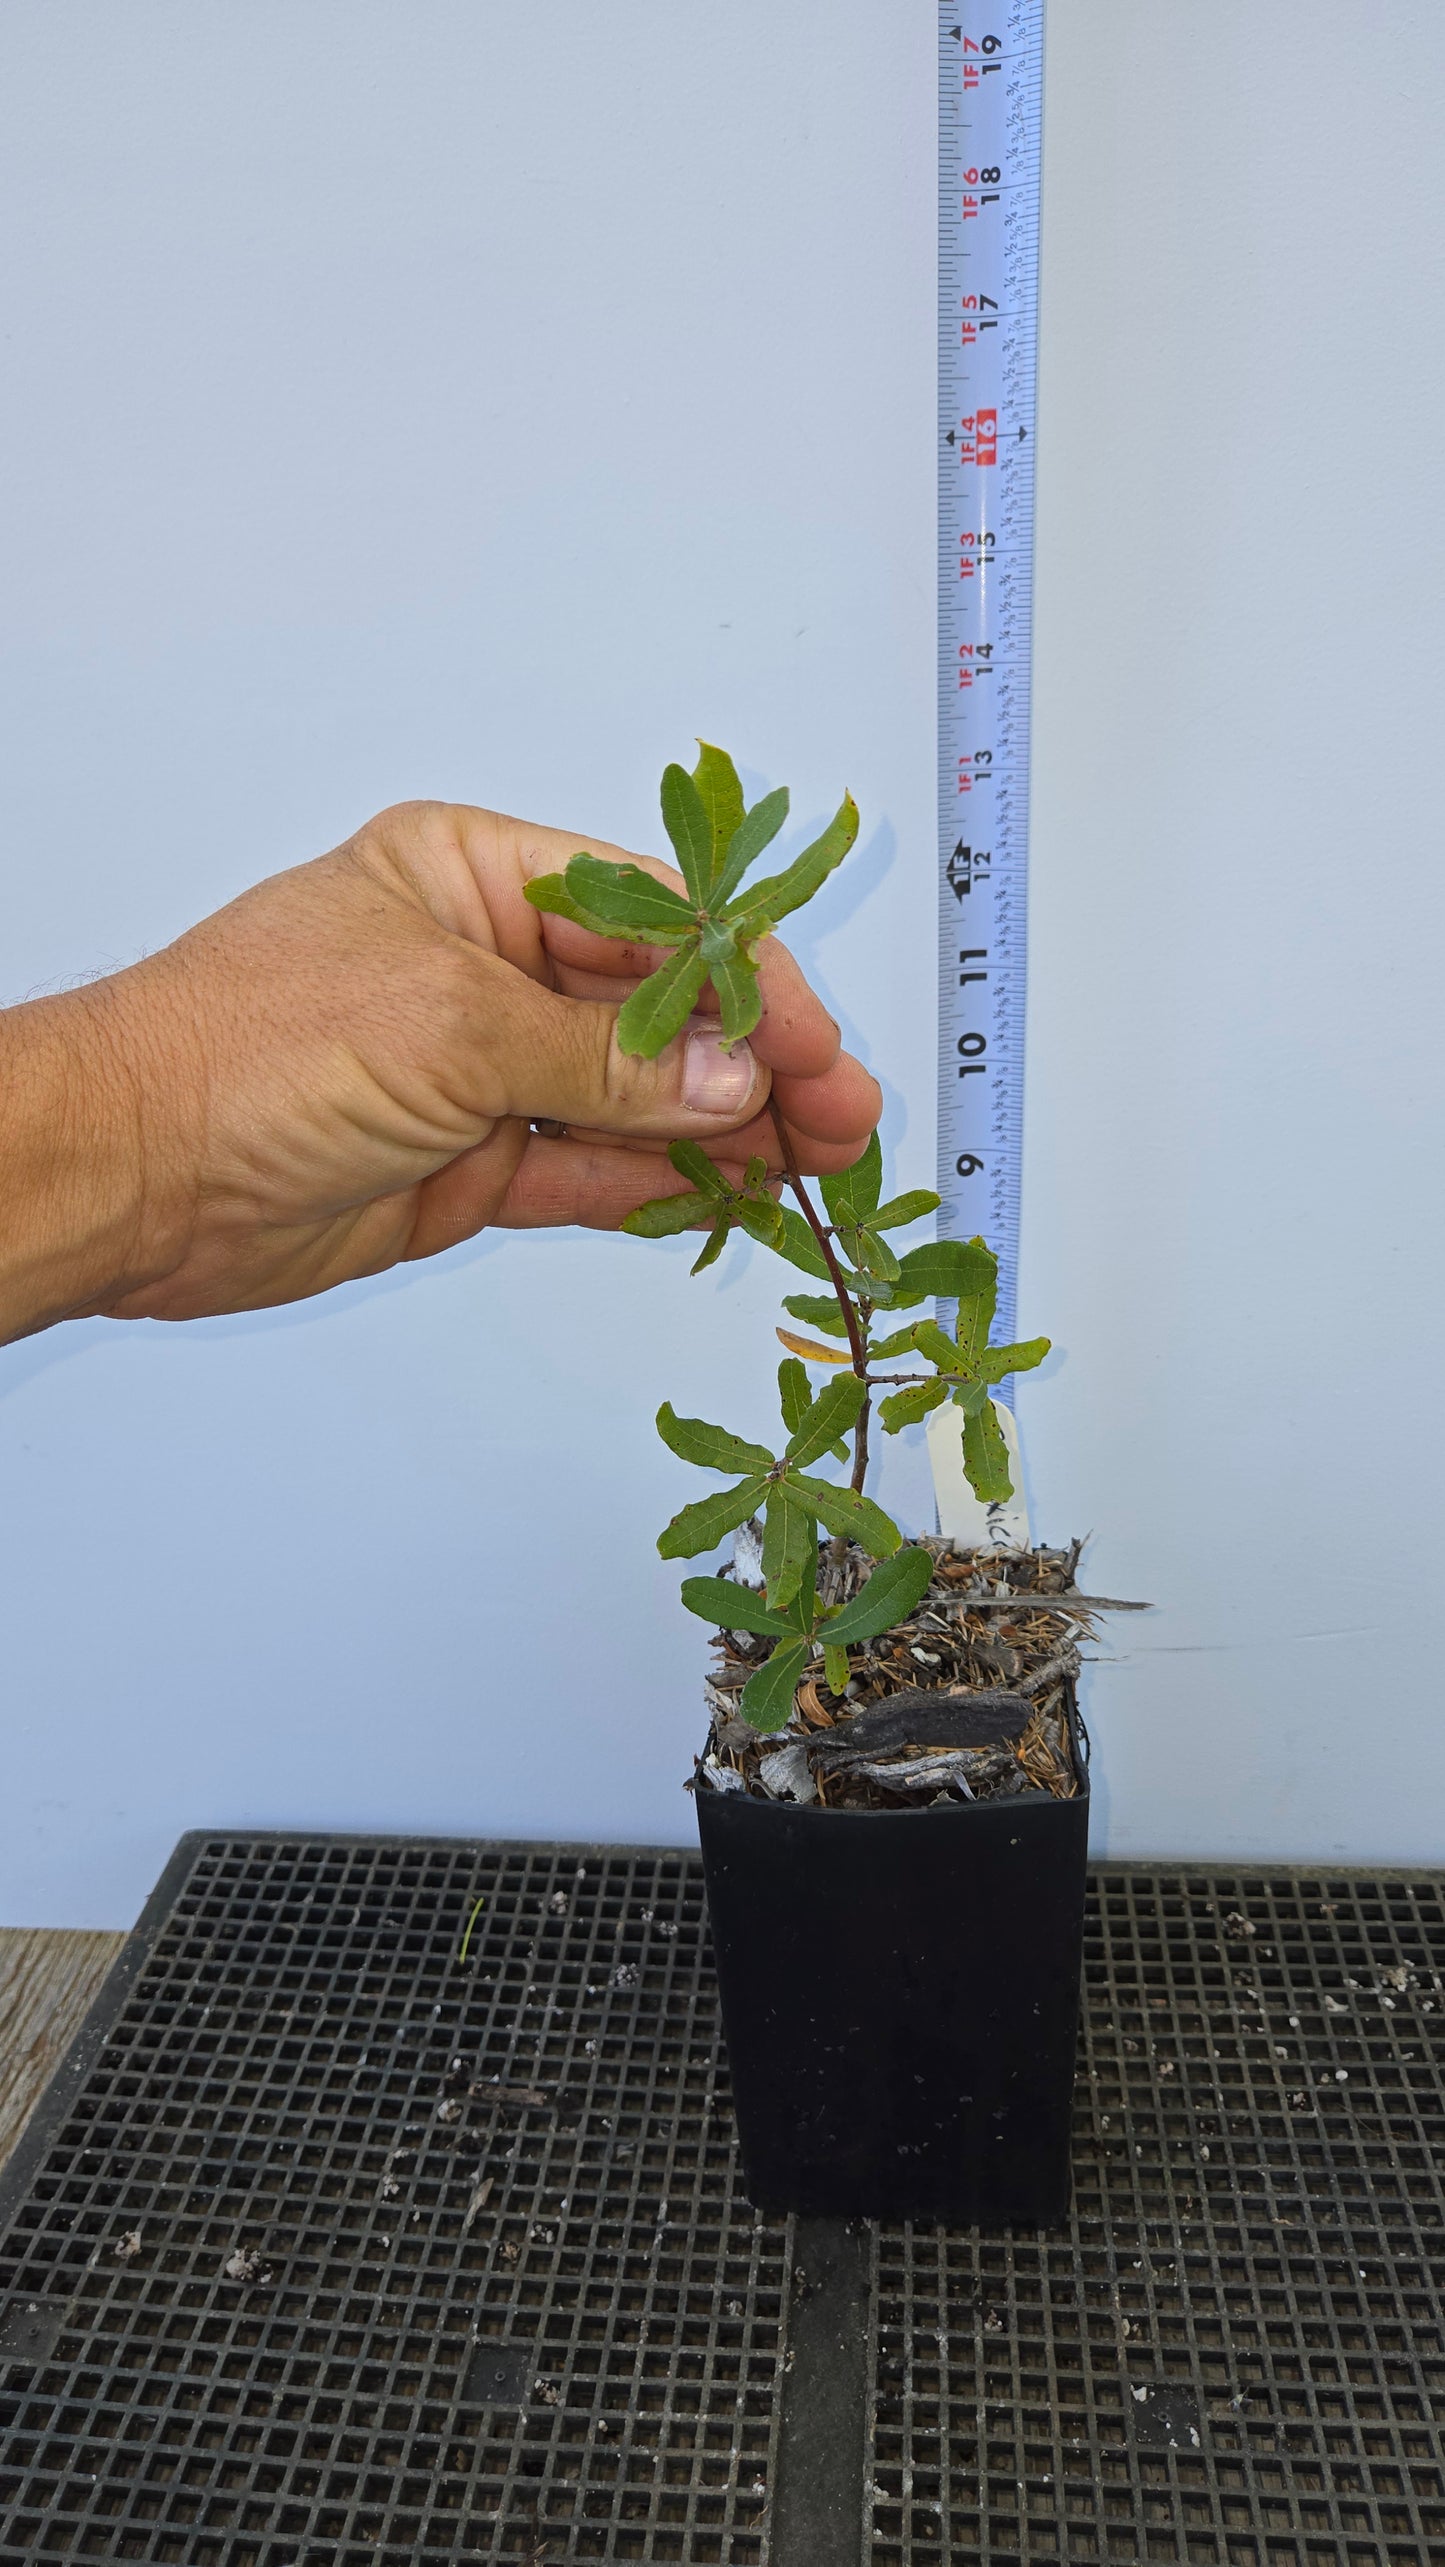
<point x="466" y="400"/>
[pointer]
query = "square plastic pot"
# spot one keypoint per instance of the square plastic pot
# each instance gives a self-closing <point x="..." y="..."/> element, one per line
<point x="900" y="1996"/>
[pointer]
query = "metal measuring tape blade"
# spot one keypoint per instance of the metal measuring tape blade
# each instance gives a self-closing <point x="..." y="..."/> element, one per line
<point x="990" y="117"/>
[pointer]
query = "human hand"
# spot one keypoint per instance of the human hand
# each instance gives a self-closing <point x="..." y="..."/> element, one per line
<point x="341" y="1070"/>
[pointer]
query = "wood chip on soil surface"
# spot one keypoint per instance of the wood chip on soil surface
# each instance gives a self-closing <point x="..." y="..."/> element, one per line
<point x="971" y="1698"/>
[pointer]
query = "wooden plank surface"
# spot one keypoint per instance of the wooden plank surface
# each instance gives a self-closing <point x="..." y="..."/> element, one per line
<point x="47" y="1981"/>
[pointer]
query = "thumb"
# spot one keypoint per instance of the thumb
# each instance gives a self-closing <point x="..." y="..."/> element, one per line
<point x="560" y="1061"/>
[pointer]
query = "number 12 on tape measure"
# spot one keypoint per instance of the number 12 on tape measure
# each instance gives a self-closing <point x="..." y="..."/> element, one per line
<point x="990" y="100"/>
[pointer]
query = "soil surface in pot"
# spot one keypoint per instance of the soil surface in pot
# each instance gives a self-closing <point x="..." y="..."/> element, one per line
<point x="970" y="1699"/>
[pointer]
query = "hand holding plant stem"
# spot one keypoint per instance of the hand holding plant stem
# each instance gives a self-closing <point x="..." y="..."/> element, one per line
<point x="714" y="934"/>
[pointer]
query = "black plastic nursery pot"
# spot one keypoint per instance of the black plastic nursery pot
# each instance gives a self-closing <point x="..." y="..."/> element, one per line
<point x="900" y="1999"/>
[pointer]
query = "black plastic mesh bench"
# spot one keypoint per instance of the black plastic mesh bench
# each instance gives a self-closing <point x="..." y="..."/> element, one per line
<point x="326" y="2247"/>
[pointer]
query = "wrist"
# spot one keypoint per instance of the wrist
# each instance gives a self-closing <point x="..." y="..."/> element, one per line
<point x="93" y="1208"/>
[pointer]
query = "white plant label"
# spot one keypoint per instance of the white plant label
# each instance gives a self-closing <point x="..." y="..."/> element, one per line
<point x="963" y="1518"/>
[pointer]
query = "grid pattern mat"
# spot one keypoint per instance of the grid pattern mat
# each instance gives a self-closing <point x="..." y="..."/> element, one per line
<point x="342" y="2250"/>
<point x="1235" y="2353"/>
<point x="326" y="2191"/>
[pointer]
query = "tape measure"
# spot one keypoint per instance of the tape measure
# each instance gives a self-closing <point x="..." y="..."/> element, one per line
<point x="990" y="121"/>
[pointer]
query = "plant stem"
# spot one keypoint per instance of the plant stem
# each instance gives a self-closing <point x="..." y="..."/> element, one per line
<point x="857" y="1336"/>
<point x="860" y="1448"/>
<point x="825" y="1244"/>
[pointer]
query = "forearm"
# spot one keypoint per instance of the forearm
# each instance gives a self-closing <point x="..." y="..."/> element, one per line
<point x="339" y="1070"/>
<point x="78" y="1223"/>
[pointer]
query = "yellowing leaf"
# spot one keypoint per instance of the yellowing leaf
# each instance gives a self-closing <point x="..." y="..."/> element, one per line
<point x="809" y="1347"/>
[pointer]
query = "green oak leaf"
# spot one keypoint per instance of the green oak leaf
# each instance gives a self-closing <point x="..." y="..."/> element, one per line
<point x="739" y="997"/>
<point x="795" y="1392"/>
<point x="870" y="1254"/>
<point x="767" y="1697"/>
<point x="985" y="1456"/>
<point x="935" y="1343"/>
<point x="756" y="830"/>
<point x="701" y="1527"/>
<point x="550" y="892"/>
<point x="790" y="1542"/>
<point x="694" y="1440"/>
<point x="836" y="1669"/>
<point x="828" y="1416"/>
<point x="802" y="1613"/>
<point x="666" y="1215"/>
<point x="712" y="1246"/>
<point x="819" y="1311"/>
<point x="721" y="796"/>
<point x="900" y="1209"/>
<point x="731" y="1606"/>
<point x="900" y="1343"/>
<point x="905" y="1407"/>
<point x="692" y="1161"/>
<point x="800" y="1247"/>
<point x="761" y="1217"/>
<point x="975" y="1314"/>
<point x="688" y="824"/>
<point x="778" y="894"/>
<point x="893" y="1296"/>
<point x="996" y="1361"/>
<point x="633" y="903"/>
<point x="856" y="1518"/>
<point x="948" y="1269"/>
<point x="851" y="1194"/>
<point x="895" y="1589"/>
<point x="660" y="1006"/>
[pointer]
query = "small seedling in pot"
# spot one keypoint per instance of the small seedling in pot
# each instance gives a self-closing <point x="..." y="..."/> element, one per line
<point x="855" y="1329"/>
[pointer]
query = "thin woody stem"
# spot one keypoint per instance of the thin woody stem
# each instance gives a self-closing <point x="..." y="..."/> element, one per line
<point x="835" y="1271"/>
<point x="860" y="1448"/>
<point x="856" y="1338"/>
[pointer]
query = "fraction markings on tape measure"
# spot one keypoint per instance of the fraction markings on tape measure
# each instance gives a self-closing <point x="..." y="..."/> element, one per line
<point x="990" y="100"/>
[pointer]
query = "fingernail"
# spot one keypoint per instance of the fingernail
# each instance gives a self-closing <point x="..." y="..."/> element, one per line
<point x="715" y="1081"/>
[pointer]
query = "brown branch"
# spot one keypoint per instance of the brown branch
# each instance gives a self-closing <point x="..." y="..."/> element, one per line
<point x="860" y="1450"/>
<point x="835" y="1271"/>
<point x="857" y="1337"/>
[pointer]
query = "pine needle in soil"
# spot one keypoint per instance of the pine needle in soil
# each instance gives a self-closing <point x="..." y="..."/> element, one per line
<point x="985" y="1628"/>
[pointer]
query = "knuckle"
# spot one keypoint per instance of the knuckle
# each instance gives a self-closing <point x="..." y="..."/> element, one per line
<point x="629" y="1083"/>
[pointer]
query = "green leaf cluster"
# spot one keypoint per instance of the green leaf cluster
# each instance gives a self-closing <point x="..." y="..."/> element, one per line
<point x="893" y="1591"/>
<point x="966" y="1368"/>
<point x="858" y="1220"/>
<point x="713" y="928"/>
<point x="874" y="1276"/>
<point x="713" y="1198"/>
<point x="793" y="1503"/>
